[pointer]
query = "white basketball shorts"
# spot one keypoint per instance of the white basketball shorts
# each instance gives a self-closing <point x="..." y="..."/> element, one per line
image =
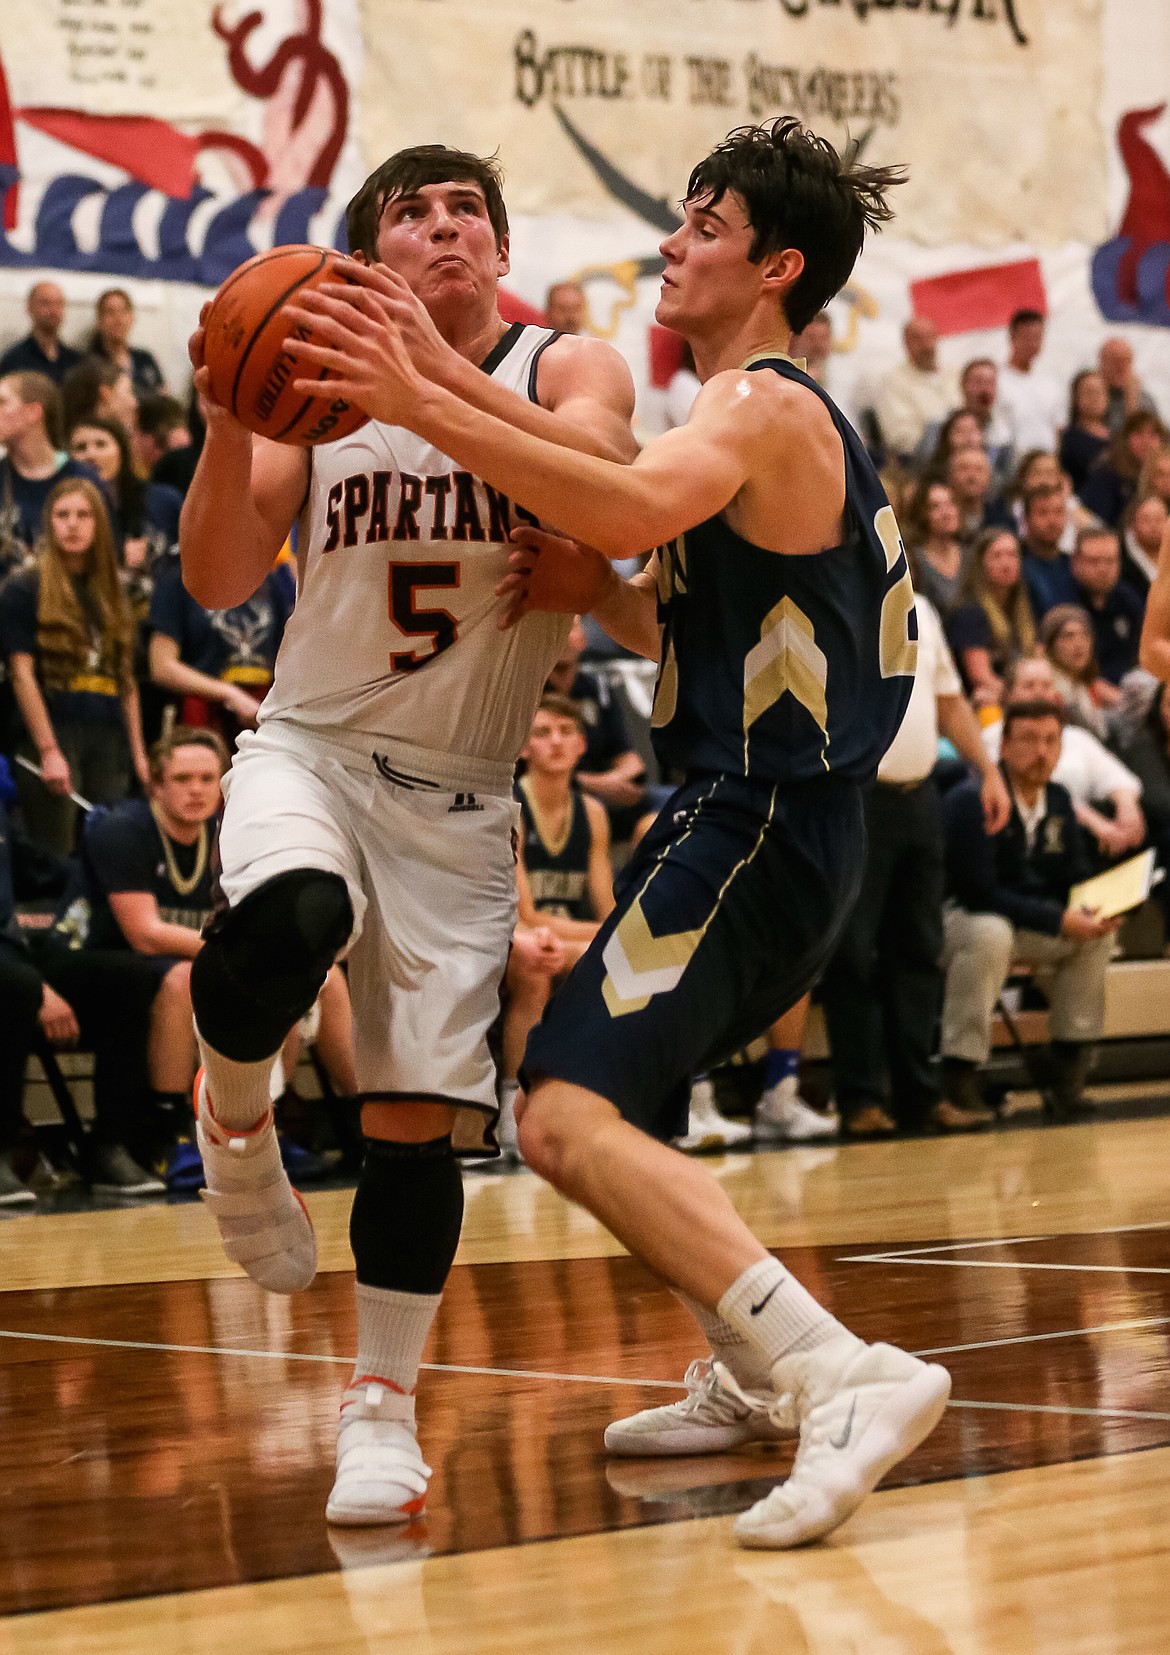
<point x="431" y="877"/>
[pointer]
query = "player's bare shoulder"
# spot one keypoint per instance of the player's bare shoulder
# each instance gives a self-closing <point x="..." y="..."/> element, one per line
<point x="783" y="432"/>
<point x="766" y="405"/>
<point x="572" y="368"/>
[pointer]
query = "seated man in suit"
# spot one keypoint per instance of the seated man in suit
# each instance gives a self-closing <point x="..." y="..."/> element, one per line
<point x="1009" y="900"/>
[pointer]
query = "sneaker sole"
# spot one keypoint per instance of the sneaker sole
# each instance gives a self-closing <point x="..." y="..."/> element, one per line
<point x="777" y="1135"/>
<point x="128" y="1189"/>
<point x="709" y="1143"/>
<point x="905" y="1419"/>
<point x="681" y="1444"/>
<point x="361" y="1517"/>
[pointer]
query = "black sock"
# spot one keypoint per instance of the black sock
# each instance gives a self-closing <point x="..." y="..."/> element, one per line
<point x="407" y="1214"/>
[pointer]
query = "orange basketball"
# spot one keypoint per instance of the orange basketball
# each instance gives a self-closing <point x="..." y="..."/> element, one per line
<point x="244" y="339"/>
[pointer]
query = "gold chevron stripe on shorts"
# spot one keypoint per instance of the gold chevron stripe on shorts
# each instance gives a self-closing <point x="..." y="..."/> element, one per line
<point x="639" y="965"/>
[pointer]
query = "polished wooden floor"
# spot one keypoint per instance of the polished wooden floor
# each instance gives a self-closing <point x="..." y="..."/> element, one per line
<point x="169" y="1429"/>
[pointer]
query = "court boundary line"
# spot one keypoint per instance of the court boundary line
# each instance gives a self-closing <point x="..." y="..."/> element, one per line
<point x="599" y="1379"/>
<point x="1042" y="1338"/>
<point x="887" y="1254"/>
<point x="1022" y="1264"/>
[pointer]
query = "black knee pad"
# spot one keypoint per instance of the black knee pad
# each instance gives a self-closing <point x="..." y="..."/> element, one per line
<point x="406" y="1216"/>
<point x="263" y="962"/>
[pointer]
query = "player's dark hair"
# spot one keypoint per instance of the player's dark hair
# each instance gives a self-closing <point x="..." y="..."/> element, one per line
<point x="798" y="192"/>
<point x="1021" y="319"/>
<point x="1016" y="711"/>
<point x="563" y="706"/>
<point x="186" y="735"/>
<point x="409" y="171"/>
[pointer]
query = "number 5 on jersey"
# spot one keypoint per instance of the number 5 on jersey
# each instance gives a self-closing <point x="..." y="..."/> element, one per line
<point x="437" y="625"/>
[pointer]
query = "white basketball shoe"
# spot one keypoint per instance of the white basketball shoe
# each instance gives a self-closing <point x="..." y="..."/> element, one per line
<point x="381" y="1475"/>
<point x="706" y="1127"/>
<point x="860" y="1412"/>
<point x="782" y="1115"/>
<point x="714" y="1417"/>
<point x="263" y="1223"/>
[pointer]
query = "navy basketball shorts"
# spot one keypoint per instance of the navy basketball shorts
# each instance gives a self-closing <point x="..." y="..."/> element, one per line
<point x="727" y="913"/>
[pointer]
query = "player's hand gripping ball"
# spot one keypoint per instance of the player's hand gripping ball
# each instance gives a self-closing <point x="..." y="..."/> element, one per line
<point x="244" y="348"/>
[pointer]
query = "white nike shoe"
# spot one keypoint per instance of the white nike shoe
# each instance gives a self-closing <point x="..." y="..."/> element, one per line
<point x="263" y="1223"/>
<point x="783" y="1115"/>
<point x="713" y="1417"/>
<point x="707" y="1128"/>
<point x="855" y="1425"/>
<point x="381" y="1475"/>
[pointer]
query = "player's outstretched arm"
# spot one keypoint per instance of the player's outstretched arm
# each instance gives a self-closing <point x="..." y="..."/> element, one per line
<point x="737" y="427"/>
<point x="678" y="480"/>
<point x="584" y="386"/>
<point x="1155" y="647"/>
<point x="242" y="502"/>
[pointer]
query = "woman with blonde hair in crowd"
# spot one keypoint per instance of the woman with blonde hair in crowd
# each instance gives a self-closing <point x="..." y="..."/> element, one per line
<point x="992" y="627"/>
<point x="1066" y="637"/>
<point x="68" y="633"/>
<point x="931" y="532"/>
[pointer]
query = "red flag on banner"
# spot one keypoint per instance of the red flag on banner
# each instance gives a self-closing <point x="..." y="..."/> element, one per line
<point x="966" y="301"/>
<point x="665" y="356"/>
<point x="152" y="152"/>
<point x="7" y="149"/>
<point x="513" y="309"/>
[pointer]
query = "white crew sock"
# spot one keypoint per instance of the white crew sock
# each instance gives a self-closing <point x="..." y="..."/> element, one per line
<point x="239" y="1092"/>
<point x="506" y="1125"/>
<point x="736" y="1353"/>
<point x="769" y="1308"/>
<point x="392" y="1331"/>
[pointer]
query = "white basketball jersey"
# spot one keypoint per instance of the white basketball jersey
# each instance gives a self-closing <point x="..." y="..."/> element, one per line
<point x="394" y="636"/>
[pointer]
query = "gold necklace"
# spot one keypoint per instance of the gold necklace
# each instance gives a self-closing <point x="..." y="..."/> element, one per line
<point x="183" y="886"/>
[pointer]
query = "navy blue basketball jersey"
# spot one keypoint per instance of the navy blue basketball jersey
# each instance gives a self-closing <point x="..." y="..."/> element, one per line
<point x="558" y="870"/>
<point x="786" y="668"/>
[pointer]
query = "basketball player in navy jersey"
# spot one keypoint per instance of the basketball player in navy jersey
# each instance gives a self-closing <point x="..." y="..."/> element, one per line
<point x="780" y="607"/>
<point x="371" y="813"/>
<point x="564" y="876"/>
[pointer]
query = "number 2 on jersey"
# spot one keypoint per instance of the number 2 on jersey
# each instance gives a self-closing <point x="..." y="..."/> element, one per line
<point x="438" y="625"/>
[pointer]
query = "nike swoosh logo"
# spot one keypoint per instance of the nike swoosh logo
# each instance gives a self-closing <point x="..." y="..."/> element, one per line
<point x="756" y="1308"/>
<point x="843" y="1440"/>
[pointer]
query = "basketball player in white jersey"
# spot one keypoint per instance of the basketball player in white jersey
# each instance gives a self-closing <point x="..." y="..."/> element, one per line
<point x="371" y="812"/>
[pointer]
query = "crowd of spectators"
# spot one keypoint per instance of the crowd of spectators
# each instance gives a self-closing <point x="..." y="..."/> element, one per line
<point x="119" y="698"/>
<point x="1033" y="516"/>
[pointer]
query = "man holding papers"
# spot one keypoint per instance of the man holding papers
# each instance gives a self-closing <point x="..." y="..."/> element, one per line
<point x="1011" y="899"/>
